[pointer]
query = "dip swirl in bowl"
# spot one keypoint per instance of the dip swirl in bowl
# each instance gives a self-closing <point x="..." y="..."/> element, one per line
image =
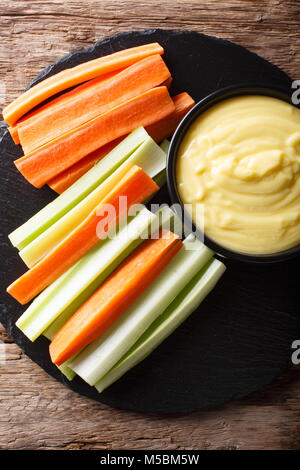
<point x="239" y="162"/>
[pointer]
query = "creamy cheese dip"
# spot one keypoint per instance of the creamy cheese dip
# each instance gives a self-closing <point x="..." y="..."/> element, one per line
<point x="239" y="162"/>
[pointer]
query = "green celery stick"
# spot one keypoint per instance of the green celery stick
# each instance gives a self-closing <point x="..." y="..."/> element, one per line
<point x="63" y="317"/>
<point x="103" y="353"/>
<point x="161" y="178"/>
<point x="165" y="145"/>
<point x="184" y="304"/>
<point x="47" y="216"/>
<point x="69" y="373"/>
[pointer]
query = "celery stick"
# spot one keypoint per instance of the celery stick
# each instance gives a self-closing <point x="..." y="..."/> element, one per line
<point x="184" y="304"/>
<point x="91" y="268"/>
<point x="148" y="156"/>
<point x="165" y="145"/>
<point x="63" y="317"/>
<point x="69" y="373"/>
<point x="103" y="353"/>
<point x="168" y="220"/>
<point x="160" y="180"/>
<point x="27" y="232"/>
<point x="163" y="218"/>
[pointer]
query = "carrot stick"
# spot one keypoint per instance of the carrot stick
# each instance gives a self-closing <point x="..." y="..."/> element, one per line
<point x="167" y="82"/>
<point x="114" y="296"/>
<point x="162" y="129"/>
<point x="43" y="164"/>
<point x="136" y="186"/>
<point x="96" y="98"/>
<point x="71" y="77"/>
<point x="66" y="178"/>
<point x="14" y="134"/>
<point x="65" y="97"/>
<point x="158" y="131"/>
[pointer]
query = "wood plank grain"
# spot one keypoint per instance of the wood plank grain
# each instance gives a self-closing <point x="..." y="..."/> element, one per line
<point x="33" y="406"/>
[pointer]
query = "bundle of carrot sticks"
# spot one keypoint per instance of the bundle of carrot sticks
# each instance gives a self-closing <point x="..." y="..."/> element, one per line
<point x="89" y="109"/>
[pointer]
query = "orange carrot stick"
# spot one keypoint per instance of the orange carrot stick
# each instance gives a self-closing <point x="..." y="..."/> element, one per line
<point x="135" y="186"/>
<point x="66" y="178"/>
<point x="43" y="164"/>
<point x="72" y="77"/>
<point x="66" y="97"/>
<point x="158" y="131"/>
<point x="14" y="134"/>
<point x="162" y="129"/>
<point x="90" y="101"/>
<point x="114" y="296"/>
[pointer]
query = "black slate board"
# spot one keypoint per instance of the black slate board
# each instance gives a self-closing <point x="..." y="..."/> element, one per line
<point x="240" y="338"/>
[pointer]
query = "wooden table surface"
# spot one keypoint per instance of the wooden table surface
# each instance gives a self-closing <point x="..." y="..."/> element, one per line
<point x="36" y="412"/>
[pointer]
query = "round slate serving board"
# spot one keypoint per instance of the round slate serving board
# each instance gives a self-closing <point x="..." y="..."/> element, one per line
<point x="240" y="338"/>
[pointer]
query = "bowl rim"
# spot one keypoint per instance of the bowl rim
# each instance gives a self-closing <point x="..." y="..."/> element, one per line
<point x="200" y="107"/>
